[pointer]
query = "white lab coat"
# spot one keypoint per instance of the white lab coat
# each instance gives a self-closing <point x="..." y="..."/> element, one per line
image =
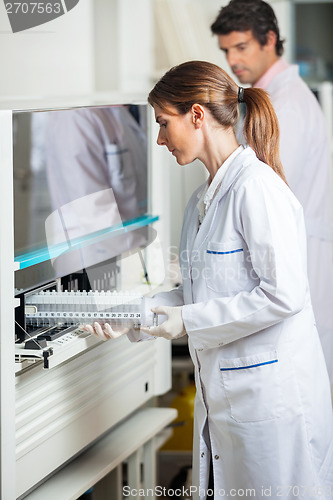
<point x="305" y="155"/>
<point x="263" y="408"/>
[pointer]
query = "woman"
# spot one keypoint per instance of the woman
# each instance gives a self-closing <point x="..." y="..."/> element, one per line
<point x="263" y="419"/>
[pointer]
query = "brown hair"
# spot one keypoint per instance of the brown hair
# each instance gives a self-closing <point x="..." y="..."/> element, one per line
<point x="200" y="82"/>
<point x="245" y="15"/>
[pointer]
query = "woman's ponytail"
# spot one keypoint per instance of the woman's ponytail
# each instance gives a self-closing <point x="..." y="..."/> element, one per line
<point x="261" y="127"/>
<point x="207" y="84"/>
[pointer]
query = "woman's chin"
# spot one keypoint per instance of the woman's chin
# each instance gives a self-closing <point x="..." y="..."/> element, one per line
<point x="181" y="161"/>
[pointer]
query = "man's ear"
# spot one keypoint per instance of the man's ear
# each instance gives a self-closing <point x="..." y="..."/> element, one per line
<point x="270" y="41"/>
<point x="198" y="115"/>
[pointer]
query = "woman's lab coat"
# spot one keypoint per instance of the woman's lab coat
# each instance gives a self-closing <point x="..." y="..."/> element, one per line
<point x="262" y="409"/>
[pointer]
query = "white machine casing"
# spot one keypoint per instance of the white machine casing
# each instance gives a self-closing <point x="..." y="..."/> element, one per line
<point x="90" y="386"/>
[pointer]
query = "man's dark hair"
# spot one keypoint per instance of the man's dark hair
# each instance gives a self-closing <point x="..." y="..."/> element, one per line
<point x="244" y="15"/>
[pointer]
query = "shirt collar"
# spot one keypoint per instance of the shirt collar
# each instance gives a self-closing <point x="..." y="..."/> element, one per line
<point x="276" y="68"/>
<point x="210" y="190"/>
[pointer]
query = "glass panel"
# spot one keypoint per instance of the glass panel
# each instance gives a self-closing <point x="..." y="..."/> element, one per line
<point x="80" y="189"/>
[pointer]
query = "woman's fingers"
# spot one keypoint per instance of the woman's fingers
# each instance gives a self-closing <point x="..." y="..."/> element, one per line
<point x="105" y="331"/>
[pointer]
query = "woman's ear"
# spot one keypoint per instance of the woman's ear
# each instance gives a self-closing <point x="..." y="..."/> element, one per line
<point x="198" y="115"/>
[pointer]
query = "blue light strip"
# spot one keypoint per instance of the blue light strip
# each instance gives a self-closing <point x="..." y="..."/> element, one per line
<point x="249" y="366"/>
<point x="224" y="253"/>
<point x="43" y="254"/>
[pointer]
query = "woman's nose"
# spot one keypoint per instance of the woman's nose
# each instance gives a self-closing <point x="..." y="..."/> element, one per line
<point x="160" y="139"/>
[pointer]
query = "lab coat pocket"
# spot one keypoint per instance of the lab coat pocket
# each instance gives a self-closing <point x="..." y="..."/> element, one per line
<point x="119" y="161"/>
<point x="225" y="269"/>
<point x="252" y="387"/>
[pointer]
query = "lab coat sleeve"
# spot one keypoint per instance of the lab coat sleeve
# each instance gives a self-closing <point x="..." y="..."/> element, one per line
<point x="271" y="223"/>
<point x="171" y="298"/>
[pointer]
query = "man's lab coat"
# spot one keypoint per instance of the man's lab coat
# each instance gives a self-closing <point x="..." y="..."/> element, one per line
<point x="305" y="156"/>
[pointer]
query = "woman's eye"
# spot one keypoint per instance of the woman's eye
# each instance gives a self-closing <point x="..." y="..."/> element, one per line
<point x="163" y="125"/>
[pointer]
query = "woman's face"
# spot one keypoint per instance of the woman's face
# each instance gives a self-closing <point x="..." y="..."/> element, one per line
<point x="178" y="133"/>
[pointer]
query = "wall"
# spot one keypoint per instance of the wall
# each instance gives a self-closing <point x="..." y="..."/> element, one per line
<point x="123" y="41"/>
<point x="55" y="58"/>
<point x="109" y="45"/>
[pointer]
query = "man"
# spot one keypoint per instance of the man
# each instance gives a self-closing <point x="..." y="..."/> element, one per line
<point x="248" y="34"/>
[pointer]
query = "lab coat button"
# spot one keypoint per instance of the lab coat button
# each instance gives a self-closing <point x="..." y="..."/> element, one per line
<point x="201" y="349"/>
<point x="216" y="457"/>
<point x="202" y="454"/>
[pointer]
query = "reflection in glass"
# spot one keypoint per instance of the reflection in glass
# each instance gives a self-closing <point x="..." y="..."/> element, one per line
<point x="78" y="173"/>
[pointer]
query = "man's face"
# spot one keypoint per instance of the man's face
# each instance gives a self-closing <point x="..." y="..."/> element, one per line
<point x="246" y="57"/>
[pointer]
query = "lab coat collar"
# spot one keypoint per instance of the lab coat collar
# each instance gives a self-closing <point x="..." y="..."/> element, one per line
<point x="197" y="237"/>
<point x="241" y="160"/>
<point x="234" y="168"/>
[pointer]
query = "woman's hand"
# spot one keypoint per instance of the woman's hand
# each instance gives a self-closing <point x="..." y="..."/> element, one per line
<point x="104" y="332"/>
<point x="172" y="328"/>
